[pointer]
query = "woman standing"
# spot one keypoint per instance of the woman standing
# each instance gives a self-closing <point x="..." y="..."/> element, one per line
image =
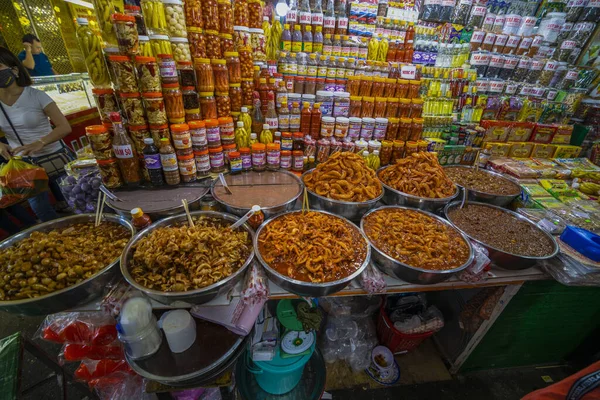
<point x="25" y="115"/>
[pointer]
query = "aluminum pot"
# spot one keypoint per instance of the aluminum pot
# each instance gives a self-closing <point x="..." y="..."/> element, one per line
<point x="392" y="196"/>
<point x="302" y="288"/>
<point x="495" y="199"/>
<point x="348" y="209"/>
<point x="267" y="211"/>
<point x="190" y="297"/>
<point x="73" y="296"/>
<point x="502" y="258"/>
<point x="406" y="272"/>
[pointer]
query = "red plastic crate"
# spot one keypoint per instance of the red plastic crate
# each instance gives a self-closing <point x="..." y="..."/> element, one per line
<point x="395" y="340"/>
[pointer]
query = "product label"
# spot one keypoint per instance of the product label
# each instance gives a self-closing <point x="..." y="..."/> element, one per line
<point x="380" y="131"/>
<point x="525" y="43"/>
<point x="289" y="84"/>
<point x="235" y="165"/>
<point x="480" y="58"/>
<point x="496" y="60"/>
<point x="510" y="62"/>
<point x="432" y="2"/>
<point x="362" y="53"/>
<point x="478" y="11"/>
<point x="169" y="162"/>
<point x="286" y="162"/>
<point x="327" y="49"/>
<point x="295" y="121"/>
<point x="354" y="130"/>
<point x="594" y="3"/>
<point x="273" y="123"/>
<point x="152" y="161"/>
<point x="408" y="72"/>
<point x="327" y="108"/>
<point x="576" y="3"/>
<point x="123" y="151"/>
<point x="322" y="71"/>
<point x="258" y="159"/>
<point x="307" y="47"/>
<point x="340" y="73"/>
<point x="336" y="50"/>
<point x="477" y="36"/>
<point x="299" y="162"/>
<point x="291" y="16"/>
<point x="286" y="45"/>
<point x="513" y="21"/>
<point x="217" y="160"/>
<point x="537" y="41"/>
<point x="317" y="18"/>
<point x="572" y="74"/>
<point x="501" y="40"/>
<point x="329" y="22"/>
<point x="284" y="121"/>
<point x="331" y="72"/>
<point x="490" y="38"/>
<point x="568" y="45"/>
<point x="489" y="19"/>
<point x="301" y="70"/>
<point x="182" y="143"/>
<point x="168" y="69"/>
<point x="203" y="163"/>
<point x="213" y="135"/>
<point x="297" y="47"/>
<point x="345" y="52"/>
<point x="273" y="158"/>
<point x="318" y="47"/>
<point x="551" y="65"/>
<point x="536" y="65"/>
<point x="305" y="17"/>
<point x="198" y="137"/>
<point x="341" y="110"/>
<point x="280" y="98"/>
<point x="524" y="63"/>
<point x="511" y="88"/>
<point x="349" y="73"/>
<point x="246" y="161"/>
<point x="342" y="23"/>
<point x="496" y="86"/>
<point x="292" y="68"/>
<point x="465" y="2"/>
<point x="187" y="168"/>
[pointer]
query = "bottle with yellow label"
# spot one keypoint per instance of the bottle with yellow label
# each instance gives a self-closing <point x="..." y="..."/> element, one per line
<point x="307" y="40"/>
<point x="318" y="40"/>
<point x="297" y="39"/>
<point x="286" y="38"/>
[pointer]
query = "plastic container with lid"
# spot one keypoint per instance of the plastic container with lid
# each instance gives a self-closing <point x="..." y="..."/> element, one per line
<point x="133" y="108"/>
<point x="286" y="160"/>
<point x="127" y="34"/>
<point x="181" y="136"/>
<point x="245" y="154"/>
<point x="273" y="156"/>
<point x="138" y="133"/>
<point x="217" y="159"/>
<point x="227" y="44"/>
<point x="236" y="97"/>
<point x="367" y="128"/>
<point x="381" y="125"/>
<point x="208" y="105"/>
<point x="258" y="43"/>
<point x="232" y="60"/>
<point x="223" y="104"/>
<point x="213" y="44"/>
<point x="225" y="16"/>
<point x="106" y="102"/>
<point x="173" y="103"/>
<point x="227" y="129"/>
<point x="213" y="132"/>
<point x="259" y="157"/>
<point x="193" y="14"/>
<point x="148" y="74"/>
<point x="240" y="13"/>
<point x="368" y="107"/>
<point x="155" y="108"/>
<point x="154" y="16"/>
<point x="402" y="88"/>
<point x="241" y="37"/>
<point x="197" y="43"/>
<point x="198" y="135"/>
<point x="160" y="44"/>
<point x="354" y="125"/>
<point x="168" y="69"/>
<point x="191" y="104"/>
<point x="202" y="162"/>
<point x="416" y="128"/>
<point x="124" y="71"/>
<point x="341" y="104"/>
<point x="221" y="75"/>
<point x="100" y="141"/>
<point x="325" y="98"/>
<point x="205" y="81"/>
<point x="404" y="129"/>
<point x="187" y="168"/>
<point x="392" y="128"/>
<point x="181" y="49"/>
<point x="109" y="171"/>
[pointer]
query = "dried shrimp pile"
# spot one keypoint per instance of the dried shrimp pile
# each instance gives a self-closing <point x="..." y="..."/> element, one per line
<point x="419" y="175"/>
<point x="312" y="246"/>
<point x="182" y="258"/>
<point x="344" y="176"/>
<point x="416" y="239"/>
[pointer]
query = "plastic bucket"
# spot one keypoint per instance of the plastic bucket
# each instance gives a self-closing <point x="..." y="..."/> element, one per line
<point x="279" y="375"/>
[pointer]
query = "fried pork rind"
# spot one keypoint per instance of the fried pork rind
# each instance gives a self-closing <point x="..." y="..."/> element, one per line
<point x="419" y="174"/>
<point x="312" y="246"/>
<point x="181" y="258"/>
<point x="344" y="176"/>
<point x="416" y="239"/>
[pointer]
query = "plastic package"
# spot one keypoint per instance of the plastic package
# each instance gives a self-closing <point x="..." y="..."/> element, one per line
<point x="372" y="281"/>
<point x="78" y="352"/>
<point x="93" y="328"/>
<point x="92" y="370"/>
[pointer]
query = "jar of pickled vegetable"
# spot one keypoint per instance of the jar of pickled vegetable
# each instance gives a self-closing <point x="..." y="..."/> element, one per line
<point x="168" y="69"/>
<point x="255" y="14"/>
<point x="187" y="75"/>
<point x="109" y="171"/>
<point x="148" y="74"/>
<point x="158" y="132"/>
<point x="213" y="44"/>
<point x="106" y="102"/>
<point x="205" y="81"/>
<point x="197" y="43"/>
<point x="240" y="13"/>
<point x="416" y="128"/>
<point x="380" y="106"/>
<point x="208" y="105"/>
<point x="353" y="85"/>
<point x="232" y="60"/>
<point x="247" y="91"/>
<point x="246" y="62"/>
<point x="227" y="44"/>
<point x="258" y="44"/>
<point x="235" y="97"/>
<point x="402" y="88"/>
<point x="181" y="49"/>
<point x="391" y="109"/>
<point x="404" y="129"/>
<point x="154" y="15"/>
<point x="221" y="75"/>
<point x="385" y="154"/>
<point x="210" y="14"/>
<point x="225" y="17"/>
<point x="404" y="108"/>
<point x="368" y="106"/>
<point x="377" y="87"/>
<point x="217" y="159"/>
<point x="241" y="37"/>
<point x="355" y="106"/>
<point x="193" y="14"/>
<point x="175" y="18"/>
<point x="366" y="83"/>
<point x="95" y="63"/>
<point x="413" y="89"/>
<point x="133" y="108"/>
<point x="160" y="44"/>
<point x="173" y="103"/>
<point x="223" y="104"/>
<point x="127" y="35"/>
<point x="124" y="73"/>
<point x="187" y="168"/>
<point x="100" y="141"/>
<point x="397" y="151"/>
<point x="155" y="108"/>
<point x="390" y="87"/>
<point x="392" y="129"/>
<point x="138" y="133"/>
<point x="202" y="162"/>
<point x="191" y="104"/>
<point x="145" y="49"/>
<point x="227" y="150"/>
<point x="416" y="108"/>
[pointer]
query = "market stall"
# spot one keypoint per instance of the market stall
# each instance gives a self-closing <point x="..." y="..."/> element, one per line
<point x="252" y="154"/>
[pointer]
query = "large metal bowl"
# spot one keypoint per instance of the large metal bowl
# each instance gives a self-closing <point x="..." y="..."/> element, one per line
<point x="392" y="196"/>
<point x="502" y="258"/>
<point x="348" y="209"/>
<point x="73" y="296"/>
<point x="406" y="272"/>
<point x="267" y="211"/>
<point x="190" y="297"/>
<point x="302" y="288"/>
<point x="495" y="199"/>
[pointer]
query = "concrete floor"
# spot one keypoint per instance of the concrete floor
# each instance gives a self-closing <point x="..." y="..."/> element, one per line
<point x="489" y="385"/>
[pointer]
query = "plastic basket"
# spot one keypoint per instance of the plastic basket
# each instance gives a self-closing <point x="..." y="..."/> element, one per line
<point x="395" y="340"/>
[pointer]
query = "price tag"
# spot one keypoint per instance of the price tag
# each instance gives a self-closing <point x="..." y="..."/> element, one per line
<point x="292" y="16"/>
<point x="317" y="18"/>
<point x="408" y="72"/>
<point x="329" y="22"/>
<point x="123" y="151"/>
<point x="305" y="17"/>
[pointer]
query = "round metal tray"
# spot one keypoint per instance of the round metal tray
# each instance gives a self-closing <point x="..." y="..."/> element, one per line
<point x="495" y="199"/>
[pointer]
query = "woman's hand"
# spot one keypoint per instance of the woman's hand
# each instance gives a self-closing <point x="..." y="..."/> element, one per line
<point x="28" y="148"/>
<point x="5" y="151"/>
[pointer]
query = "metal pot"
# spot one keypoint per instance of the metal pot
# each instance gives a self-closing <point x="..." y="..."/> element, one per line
<point x="302" y="288"/>
<point x="348" y="209"/>
<point x="495" y="199"/>
<point x="73" y="296"/>
<point x="392" y="196"/>
<point x="502" y="258"/>
<point x="196" y="296"/>
<point x="406" y="272"/>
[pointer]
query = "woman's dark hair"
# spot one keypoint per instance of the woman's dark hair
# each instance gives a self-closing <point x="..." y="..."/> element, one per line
<point x="30" y="38"/>
<point x="11" y="61"/>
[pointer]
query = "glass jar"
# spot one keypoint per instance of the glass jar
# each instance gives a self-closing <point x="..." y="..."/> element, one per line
<point x="127" y="35"/>
<point x="100" y="141"/>
<point x="213" y="44"/>
<point x="160" y="44"/>
<point x="341" y="104"/>
<point x="247" y="91"/>
<point x="193" y="14"/>
<point x="240" y="13"/>
<point x="259" y="157"/>
<point x="208" y="105"/>
<point x="392" y="129"/>
<point x="109" y="171"/>
<point x="191" y="104"/>
<point x="416" y="108"/>
<point x="187" y="168"/>
<point x="404" y="129"/>
<point x="232" y="61"/>
<point x="246" y="62"/>
<point x="217" y="159"/>
<point x="106" y="102"/>
<point x="202" y="162"/>
<point x="155" y="108"/>
<point x="273" y="156"/>
<point x="235" y="97"/>
<point x="205" y="81"/>
<point x="380" y="106"/>
<point x="255" y="14"/>
<point x="181" y="49"/>
<point x="154" y="15"/>
<point x="210" y="14"/>
<point x="402" y="88"/>
<point x="148" y="74"/>
<point x="133" y="108"/>
<point x="158" y="132"/>
<point x="221" y="75"/>
<point x="227" y="44"/>
<point x="197" y="43"/>
<point x="366" y="83"/>
<point x="173" y="103"/>
<point x="391" y="109"/>
<point x="355" y="106"/>
<point x="124" y="73"/>
<point x="368" y="106"/>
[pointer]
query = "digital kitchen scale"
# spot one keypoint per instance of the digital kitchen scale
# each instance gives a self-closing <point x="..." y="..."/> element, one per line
<point x="294" y="341"/>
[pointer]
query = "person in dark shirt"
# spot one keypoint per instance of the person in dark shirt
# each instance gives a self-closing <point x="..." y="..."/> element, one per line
<point x="33" y="58"/>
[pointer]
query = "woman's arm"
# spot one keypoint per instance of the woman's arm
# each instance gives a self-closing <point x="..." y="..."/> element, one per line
<point x="61" y="129"/>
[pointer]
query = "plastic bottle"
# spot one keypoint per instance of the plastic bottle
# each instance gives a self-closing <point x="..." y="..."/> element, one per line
<point x="327" y="45"/>
<point x="301" y="61"/>
<point x="286" y="38"/>
<point x="312" y="66"/>
<point x="271" y="116"/>
<point x="125" y="152"/>
<point x="140" y="220"/>
<point x="329" y="18"/>
<point x="316" y="12"/>
<point x="291" y="18"/>
<point x="257" y="118"/>
<point x="284" y="117"/>
<point x="281" y="94"/>
<point x="304" y="14"/>
<point x="246" y="118"/>
<point x="168" y="160"/>
<point x="318" y="40"/>
<point x="305" y="119"/>
<point x="152" y="161"/>
<point x="336" y="46"/>
<point x="307" y="40"/>
<point x="266" y="136"/>
<point x="295" y="117"/>
<point x="253" y="139"/>
<point x="341" y="27"/>
<point x="315" y="121"/>
<point x="297" y="39"/>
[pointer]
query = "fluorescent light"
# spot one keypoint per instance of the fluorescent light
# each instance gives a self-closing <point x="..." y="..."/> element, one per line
<point x="281" y="8"/>
<point x="81" y="3"/>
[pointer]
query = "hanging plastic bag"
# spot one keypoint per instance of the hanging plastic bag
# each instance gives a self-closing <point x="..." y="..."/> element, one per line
<point x="20" y="180"/>
<point x="79" y="327"/>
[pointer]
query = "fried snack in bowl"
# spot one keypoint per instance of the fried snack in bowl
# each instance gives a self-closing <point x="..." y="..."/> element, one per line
<point x="313" y="246"/>
<point x="344" y="177"/>
<point x="419" y="175"/>
<point x="180" y="258"/>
